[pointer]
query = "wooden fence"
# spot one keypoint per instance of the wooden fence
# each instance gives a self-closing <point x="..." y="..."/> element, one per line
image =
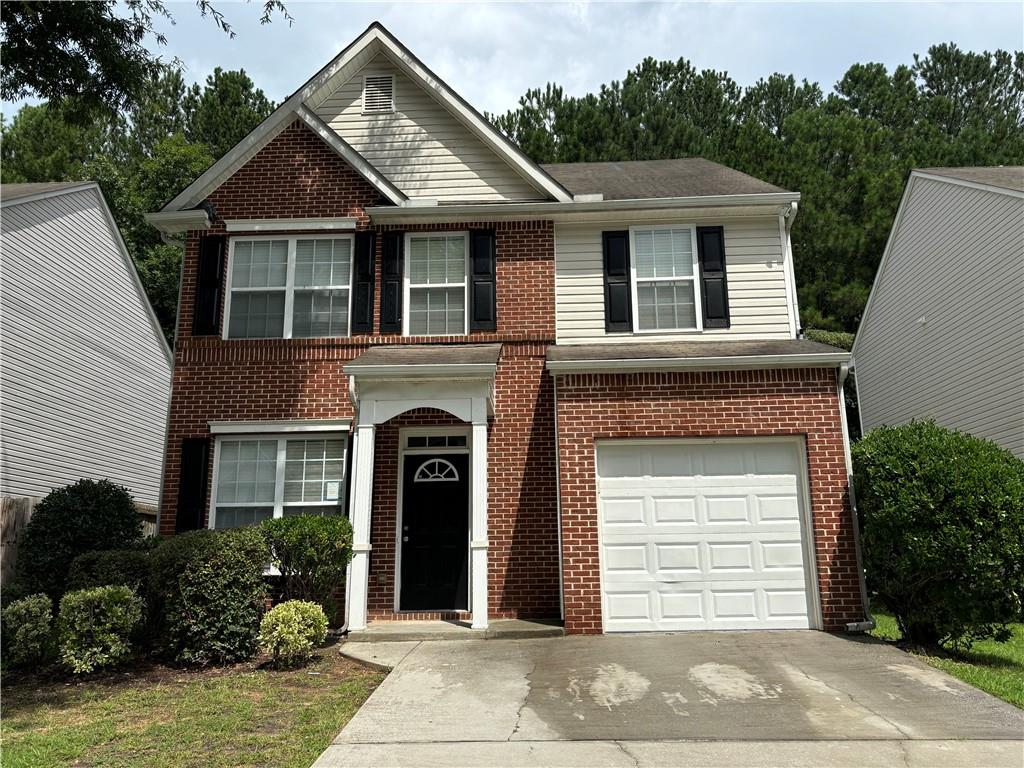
<point x="15" y="512"/>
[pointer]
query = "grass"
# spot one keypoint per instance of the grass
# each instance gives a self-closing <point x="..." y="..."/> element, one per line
<point x="997" y="668"/>
<point x="163" y="718"/>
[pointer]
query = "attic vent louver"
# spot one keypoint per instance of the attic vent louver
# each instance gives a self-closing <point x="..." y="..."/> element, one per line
<point x="378" y="94"/>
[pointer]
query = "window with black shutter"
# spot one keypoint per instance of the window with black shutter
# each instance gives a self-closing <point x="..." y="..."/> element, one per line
<point x="617" y="294"/>
<point x="391" y="282"/>
<point x="483" y="296"/>
<point x="192" y="480"/>
<point x="714" y="288"/>
<point x="363" y="282"/>
<point x="209" y="278"/>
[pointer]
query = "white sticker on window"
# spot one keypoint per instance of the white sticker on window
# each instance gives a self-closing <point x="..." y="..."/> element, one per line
<point x="333" y="489"/>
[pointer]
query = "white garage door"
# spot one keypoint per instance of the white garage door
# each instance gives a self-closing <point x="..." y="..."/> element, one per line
<point x="702" y="535"/>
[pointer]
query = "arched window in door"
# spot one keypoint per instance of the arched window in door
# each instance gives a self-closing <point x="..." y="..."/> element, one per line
<point x="436" y="471"/>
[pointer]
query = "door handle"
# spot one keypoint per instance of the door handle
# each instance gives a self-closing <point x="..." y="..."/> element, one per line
<point x="405" y="538"/>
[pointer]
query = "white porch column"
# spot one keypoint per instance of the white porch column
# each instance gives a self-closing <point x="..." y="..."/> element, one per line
<point x="362" y="496"/>
<point x="478" y="534"/>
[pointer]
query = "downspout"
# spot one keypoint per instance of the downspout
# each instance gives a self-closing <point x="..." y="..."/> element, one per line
<point x="868" y="624"/>
<point x="558" y="505"/>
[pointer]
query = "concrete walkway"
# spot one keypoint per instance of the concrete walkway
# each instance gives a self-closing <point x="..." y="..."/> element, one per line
<point x="706" y="699"/>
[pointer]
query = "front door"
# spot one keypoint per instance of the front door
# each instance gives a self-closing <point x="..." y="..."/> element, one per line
<point x="435" y="532"/>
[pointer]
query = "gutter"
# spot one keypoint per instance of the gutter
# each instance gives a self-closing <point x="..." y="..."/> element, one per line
<point x="547" y="209"/>
<point x="734" y="362"/>
<point x="869" y="623"/>
<point x="176" y="222"/>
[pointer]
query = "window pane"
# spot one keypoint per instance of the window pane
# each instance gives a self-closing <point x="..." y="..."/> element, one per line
<point x="314" y="470"/>
<point x="260" y="264"/>
<point x="323" y="262"/>
<point x="247" y="471"/>
<point x="417" y="441"/>
<point x="434" y="311"/>
<point x="320" y="313"/>
<point x="663" y="253"/>
<point x="235" y="517"/>
<point x="256" y="315"/>
<point x="437" y="260"/>
<point x="666" y="305"/>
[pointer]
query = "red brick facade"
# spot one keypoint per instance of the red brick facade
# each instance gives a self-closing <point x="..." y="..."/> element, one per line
<point x="297" y="175"/>
<point x="710" y="404"/>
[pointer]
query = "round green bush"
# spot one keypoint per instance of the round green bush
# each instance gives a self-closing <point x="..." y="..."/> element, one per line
<point x="27" y="630"/>
<point x="291" y="630"/>
<point x="128" y="567"/>
<point x="95" y="627"/>
<point x="312" y="554"/>
<point x="942" y="514"/>
<point x="207" y="593"/>
<point x="70" y="521"/>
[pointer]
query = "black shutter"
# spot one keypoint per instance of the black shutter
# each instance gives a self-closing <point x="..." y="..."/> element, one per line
<point x="617" y="295"/>
<point x="362" y="282"/>
<point x="483" y="297"/>
<point x="209" y="277"/>
<point x="192" y="479"/>
<point x="391" y="282"/>
<point x="714" y="289"/>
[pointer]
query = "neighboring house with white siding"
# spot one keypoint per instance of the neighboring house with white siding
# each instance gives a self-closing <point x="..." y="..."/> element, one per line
<point x="943" y="332"/>
<point x="85" y="370"/>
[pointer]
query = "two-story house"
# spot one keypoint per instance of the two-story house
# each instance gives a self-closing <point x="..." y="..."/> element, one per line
<point x="569" y="390"/>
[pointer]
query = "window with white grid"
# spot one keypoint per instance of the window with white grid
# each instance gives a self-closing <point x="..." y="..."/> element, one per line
<point x="260" y="478"/>
<point x="436" y="284"/>
<point x="665" y="295"/>
<point x="295" y="287"/>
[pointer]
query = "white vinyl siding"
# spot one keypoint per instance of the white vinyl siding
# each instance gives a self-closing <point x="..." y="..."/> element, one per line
<point x="956" y="262"/>
<point x="420" y="146"/>
<point x="289" y="287"/>
<point x="758" y="302"/>
<point x="76" y="327"/>
<point x="263" y="477"/>
<point x="436" y="284"/>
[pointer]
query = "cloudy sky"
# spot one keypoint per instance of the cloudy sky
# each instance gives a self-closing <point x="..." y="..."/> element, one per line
<point x="492" y="52"/>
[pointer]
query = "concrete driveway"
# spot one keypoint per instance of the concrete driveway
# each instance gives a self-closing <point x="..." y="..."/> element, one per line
<point x="715" y="698"/>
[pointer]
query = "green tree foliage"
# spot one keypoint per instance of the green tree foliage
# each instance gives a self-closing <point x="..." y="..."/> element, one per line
<point x="41" y="144"/>
<point x="93" y="50"/>
<point x="223" y="112"/>
<point x="849" y="153"/>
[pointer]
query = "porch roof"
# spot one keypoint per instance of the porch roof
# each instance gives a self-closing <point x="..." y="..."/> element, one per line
<point x="415" y="360"/>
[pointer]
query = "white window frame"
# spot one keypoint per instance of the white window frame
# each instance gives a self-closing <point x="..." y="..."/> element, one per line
<point x="282" y="439"/>
<point x="362" y="96"/>
<point x="289" y="286"/>
<point x="408" y="287"/>
<point x="634" y="280"/>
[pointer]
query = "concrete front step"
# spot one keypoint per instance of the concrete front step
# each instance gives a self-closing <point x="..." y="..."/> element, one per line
<point x="406" y="631"/>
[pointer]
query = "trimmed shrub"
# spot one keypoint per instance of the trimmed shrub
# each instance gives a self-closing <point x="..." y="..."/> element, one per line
<point x="69" y="521"/>
<point x="128" y="567"/>
<point x="839" y="339"/>
<point x="290" y="631"/>
<point x="208" y="594"/>
<point x="28" y="630"/>
<point x="312" y="554"/>
<point x="943" y="531"/>
<point x="95" y="627"/>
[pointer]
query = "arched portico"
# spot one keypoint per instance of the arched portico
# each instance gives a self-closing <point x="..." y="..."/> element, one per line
<point x="388" y="381"/>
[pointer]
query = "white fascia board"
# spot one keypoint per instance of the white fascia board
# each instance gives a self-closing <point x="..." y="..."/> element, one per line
<point x="279" y="427"/>
<point x="289" y="225"/>
<point x="965" y="183"/>
<point x="566" y="211"/>
<point x="418" y="372"/>
<point x="825" y="360"/>
<point x="48" y="193"/>
<point x="174" y="222"/>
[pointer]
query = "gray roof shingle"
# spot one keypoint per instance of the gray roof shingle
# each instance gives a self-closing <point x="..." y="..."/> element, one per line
<point x="1004" y="176"/>
<point x="426" y="354"/>
<point x="646" y="179"/>
<point x="671" y="350"/>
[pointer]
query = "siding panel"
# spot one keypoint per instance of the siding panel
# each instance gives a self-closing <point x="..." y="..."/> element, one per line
<point x="957" y="263"/>
<point x="86" y="381"/>
<point x="757" y="284"/>
<point x="421" y="147"/>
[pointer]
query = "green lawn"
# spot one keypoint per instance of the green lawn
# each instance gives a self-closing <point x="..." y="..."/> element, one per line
<point x="157" y="716"/>
<point x="994" y="667"/>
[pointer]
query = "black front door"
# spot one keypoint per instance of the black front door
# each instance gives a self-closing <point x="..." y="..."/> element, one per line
<point x="435" y="532"/>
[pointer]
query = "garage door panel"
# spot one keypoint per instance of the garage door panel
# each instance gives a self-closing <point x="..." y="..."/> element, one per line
<point x="702" y="551"/>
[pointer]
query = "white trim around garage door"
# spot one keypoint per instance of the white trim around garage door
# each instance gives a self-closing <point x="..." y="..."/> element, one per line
<point x="799" y="442"/>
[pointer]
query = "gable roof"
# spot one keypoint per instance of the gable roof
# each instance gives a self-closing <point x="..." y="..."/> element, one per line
<point x="1009" y="177"/>
<point x="11" y="193"/>
<point x="648" y="179"/>
<point x="375" y="40"/>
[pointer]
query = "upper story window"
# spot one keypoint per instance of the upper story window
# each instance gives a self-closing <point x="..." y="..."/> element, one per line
<point x="665" y="269"/>
<point x="295" y="287"/>
<point x="260" y="478"/>
<point x="378" y="94"/>
<point x="436" y="284"/>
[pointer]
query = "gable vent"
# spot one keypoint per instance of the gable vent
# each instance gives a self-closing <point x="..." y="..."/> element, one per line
<point x="378" y="93"/>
